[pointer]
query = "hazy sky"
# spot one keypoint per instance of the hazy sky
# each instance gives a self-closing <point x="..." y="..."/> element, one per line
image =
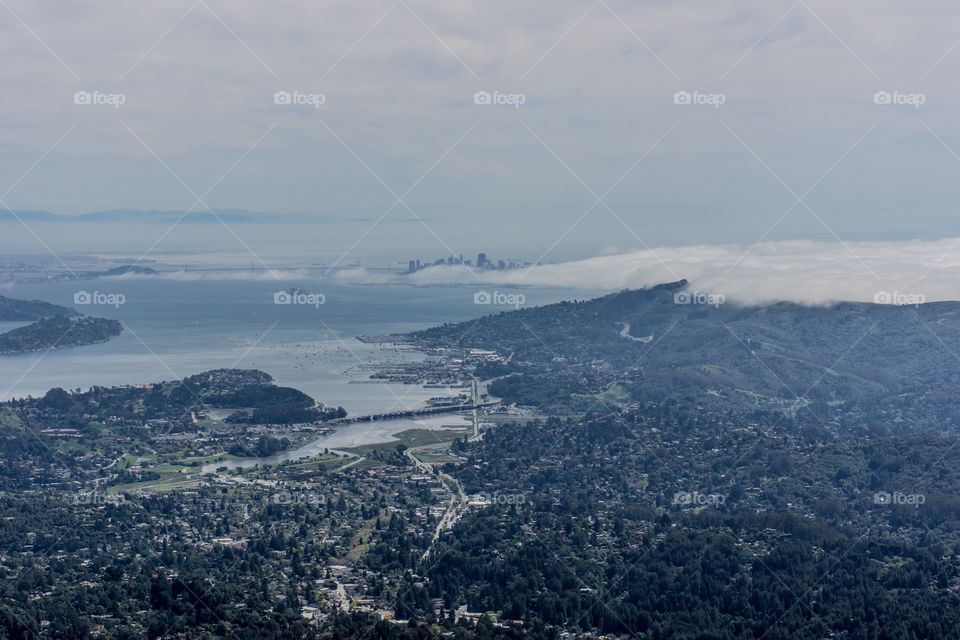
<point x="599" y="157"/>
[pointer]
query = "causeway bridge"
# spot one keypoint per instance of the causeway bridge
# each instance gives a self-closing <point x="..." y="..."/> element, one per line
<point x="411" y="413"/>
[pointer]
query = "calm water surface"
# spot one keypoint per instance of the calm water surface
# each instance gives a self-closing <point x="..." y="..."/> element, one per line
<point x="179" y="328"/>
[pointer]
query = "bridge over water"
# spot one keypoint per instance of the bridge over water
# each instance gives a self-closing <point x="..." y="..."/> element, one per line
<point x="411" y="413"/>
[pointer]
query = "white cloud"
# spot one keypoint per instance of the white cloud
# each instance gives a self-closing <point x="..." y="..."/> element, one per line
<point x="278" y="275"/>
<point x="800" y="271"/>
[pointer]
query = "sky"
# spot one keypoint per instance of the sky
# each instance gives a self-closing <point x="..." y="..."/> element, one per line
<point x="543" y="130"/>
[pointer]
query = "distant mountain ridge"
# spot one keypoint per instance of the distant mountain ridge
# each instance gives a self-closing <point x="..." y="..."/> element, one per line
<point x="158" y="216"/>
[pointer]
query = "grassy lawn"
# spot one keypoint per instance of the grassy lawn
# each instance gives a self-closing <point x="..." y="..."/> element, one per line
<point x="411" y="438"/>
<point x="163" y="485"/>
<point x="421" y="437"/>
<point x="358" y="548"/>
<point x="170" y="469"/>
<point x="616" y="395"/>
<point x="201" y="460"/>
<point x="126" y="461"/>
<point x="322" y="462"/>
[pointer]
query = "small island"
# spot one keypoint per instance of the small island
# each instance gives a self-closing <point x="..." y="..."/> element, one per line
<point x="51" y="327"/>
